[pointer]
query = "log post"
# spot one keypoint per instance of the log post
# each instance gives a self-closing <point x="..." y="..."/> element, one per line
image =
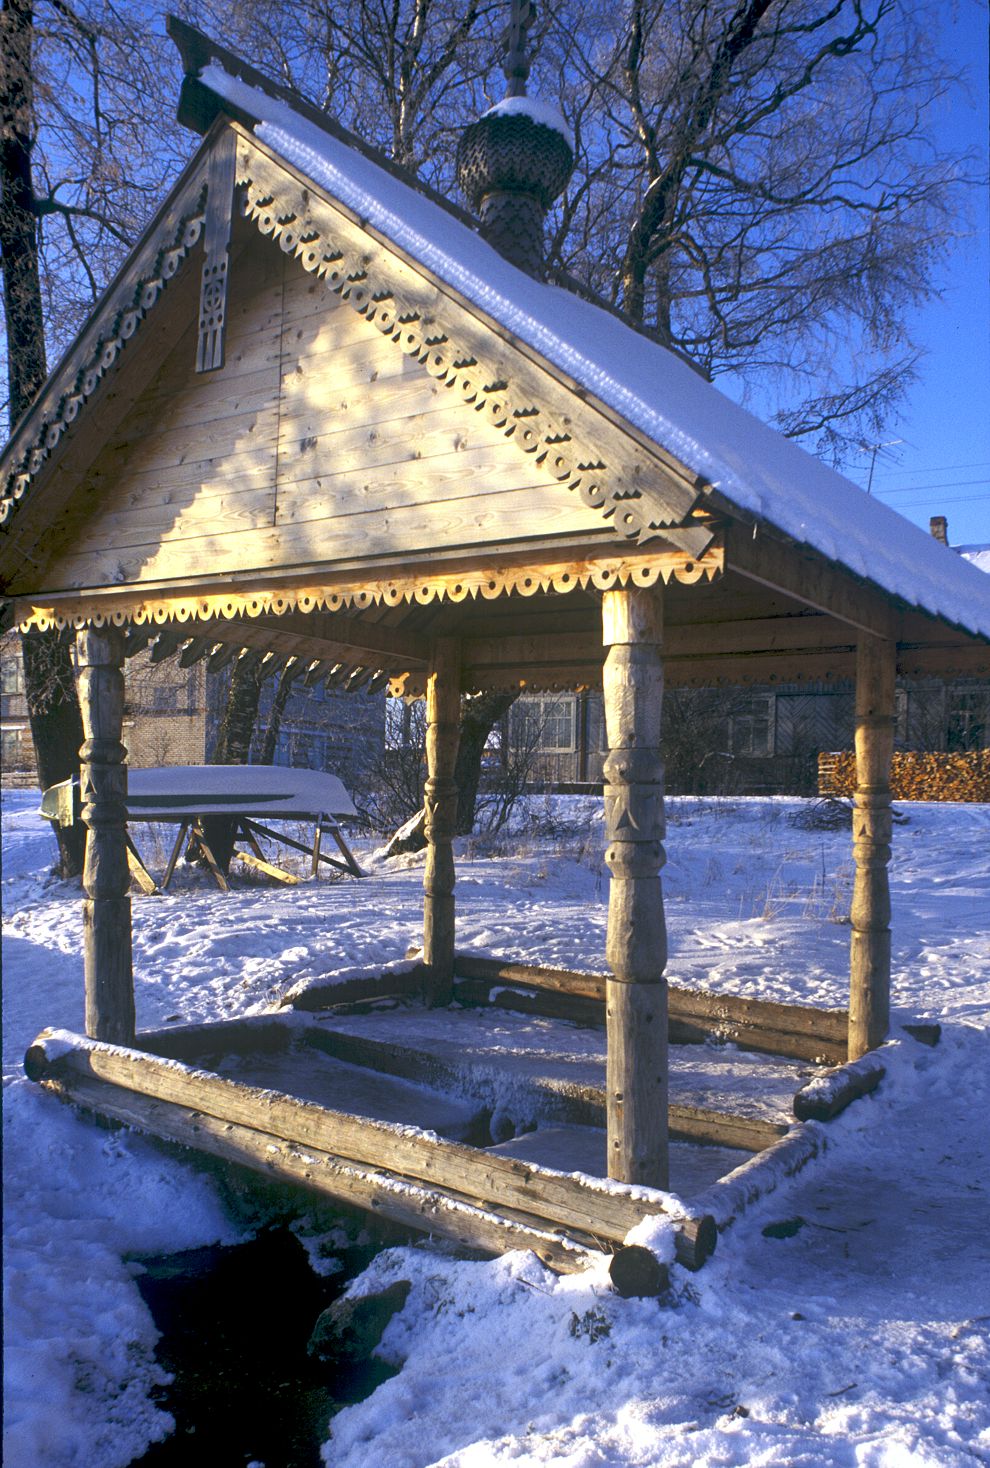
<point x="443" y="709"/>
<point x="106" y="877"/>
<point x="636" y="941"/>
<point x="869" y="959"/>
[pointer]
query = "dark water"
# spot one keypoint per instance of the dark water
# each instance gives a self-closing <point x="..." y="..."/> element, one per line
<point x="234" y="1325"/>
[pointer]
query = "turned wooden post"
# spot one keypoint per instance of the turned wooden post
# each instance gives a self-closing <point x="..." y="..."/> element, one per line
<point x="636" y="942"/>
<point x="106" y="878"/>
<point x="443" y="713"/>
<point x="869" y="959"/>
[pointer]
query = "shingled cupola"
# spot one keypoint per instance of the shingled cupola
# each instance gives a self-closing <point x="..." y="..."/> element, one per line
<point x="516" y="159"/>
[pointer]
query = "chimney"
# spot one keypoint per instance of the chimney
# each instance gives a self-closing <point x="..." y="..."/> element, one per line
<point x="516" y="159"/>
<point x="938" y="525"/>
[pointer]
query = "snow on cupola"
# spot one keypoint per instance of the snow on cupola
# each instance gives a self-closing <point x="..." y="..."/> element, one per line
<point x="516" y="159"/>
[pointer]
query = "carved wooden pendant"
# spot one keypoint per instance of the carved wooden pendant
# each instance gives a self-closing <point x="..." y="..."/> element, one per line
<point x="216" y="254"/>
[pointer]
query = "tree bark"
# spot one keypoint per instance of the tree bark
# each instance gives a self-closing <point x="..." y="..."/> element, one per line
<point x="270" y="742"/>
<point x="478" y="718"/>
<point x="18" y="211"/>
<point x="53" y="708"/>
<point x="56" y="729"/>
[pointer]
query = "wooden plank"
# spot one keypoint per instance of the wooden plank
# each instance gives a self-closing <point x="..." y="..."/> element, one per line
<point x="258" y="864"/>
<point x="416" y="530"/>
<point x="608" y="1212"/>
<point x="809" y="579"/>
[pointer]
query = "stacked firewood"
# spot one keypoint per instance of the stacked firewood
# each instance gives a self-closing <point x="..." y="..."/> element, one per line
<point x="915" y="776"/>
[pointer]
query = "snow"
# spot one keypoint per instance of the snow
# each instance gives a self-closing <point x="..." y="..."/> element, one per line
<point x="538" y="110"/>
<point x="759" y="470"/>
<point x="852" y="1332"/>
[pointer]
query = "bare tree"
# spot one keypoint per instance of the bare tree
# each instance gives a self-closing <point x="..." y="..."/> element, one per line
<point x="758" y="185"/>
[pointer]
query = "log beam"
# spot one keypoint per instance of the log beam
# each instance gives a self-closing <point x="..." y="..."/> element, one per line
<point x="636" y="939"/>
<point x="106" y="873"/>
<point x="443" y="709"/>
<point x="869" y="961"/>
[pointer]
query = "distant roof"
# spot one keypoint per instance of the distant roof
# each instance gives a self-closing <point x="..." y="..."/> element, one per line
<point x="758" y="470"/>
<point x="977" y="555"/>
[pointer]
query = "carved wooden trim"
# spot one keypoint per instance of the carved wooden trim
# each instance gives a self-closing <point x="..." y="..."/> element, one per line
<point x="467" y="356"/>
<point x="216" y="253"/>
<point x="636" y="936"/>
<point x="139" y="289"/>
<point x="443" y="713"/>
<point x="106" y="873"/>
<point x="333" y="594"/>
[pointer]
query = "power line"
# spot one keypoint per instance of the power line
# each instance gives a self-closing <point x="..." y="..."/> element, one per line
<point x="937" y="468"/>
<point x="917" y="489"/>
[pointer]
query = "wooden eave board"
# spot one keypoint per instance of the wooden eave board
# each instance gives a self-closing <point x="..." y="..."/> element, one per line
<point x="318" y="441"/>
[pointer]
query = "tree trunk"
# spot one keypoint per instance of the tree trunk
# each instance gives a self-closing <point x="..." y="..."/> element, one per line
<point x="53" y="708"/>
<point x="270" y="742"/>
<point x="233" y="746"/>
<point x="478" y="718"/>
<point x="18" y="215"/>
<point x="56" y="729"/>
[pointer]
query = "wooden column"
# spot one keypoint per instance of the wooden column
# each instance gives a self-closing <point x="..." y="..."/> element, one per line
<point x="106" y="878"/>
<point x="443" y="713"/>
<point x="869" y="966"/>
<point x="636" y="943"/>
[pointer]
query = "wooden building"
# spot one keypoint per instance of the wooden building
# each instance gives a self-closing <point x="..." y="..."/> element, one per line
<point x="318" y="416"/>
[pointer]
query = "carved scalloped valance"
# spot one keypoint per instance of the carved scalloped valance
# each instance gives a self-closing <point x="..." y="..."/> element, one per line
<point x="135" y="605"/>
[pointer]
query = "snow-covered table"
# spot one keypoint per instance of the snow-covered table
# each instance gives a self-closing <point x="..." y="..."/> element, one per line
<point x="203" y="798"/>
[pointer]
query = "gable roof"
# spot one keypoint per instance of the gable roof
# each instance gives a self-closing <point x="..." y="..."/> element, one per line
<point x="752" y="470"/>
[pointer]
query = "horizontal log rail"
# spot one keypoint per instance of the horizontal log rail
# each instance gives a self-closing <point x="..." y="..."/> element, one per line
<point x="428" y="1208"/>
<point x="569" y="1101"/>
<point x="729" y="1197"/>
<point x="798" y="1031"/>
<point x="493" y="1182"/>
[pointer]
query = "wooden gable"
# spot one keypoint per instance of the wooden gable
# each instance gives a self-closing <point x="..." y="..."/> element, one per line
<point x="317" y="441"/>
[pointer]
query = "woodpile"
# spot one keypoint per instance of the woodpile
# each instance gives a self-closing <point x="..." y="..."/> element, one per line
<point x="915" y="775"/>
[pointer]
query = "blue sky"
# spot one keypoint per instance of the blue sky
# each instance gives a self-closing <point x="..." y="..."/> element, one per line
<point x="942" y="465"/>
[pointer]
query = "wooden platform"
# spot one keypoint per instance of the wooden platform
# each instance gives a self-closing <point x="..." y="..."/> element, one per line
<point x="482" y="1125"/>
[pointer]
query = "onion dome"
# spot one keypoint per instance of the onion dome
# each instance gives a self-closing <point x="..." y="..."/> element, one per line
<point x="516" y="160"/>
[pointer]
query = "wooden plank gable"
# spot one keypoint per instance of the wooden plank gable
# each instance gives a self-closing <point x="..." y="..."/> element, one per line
<point x="319" y="439"/>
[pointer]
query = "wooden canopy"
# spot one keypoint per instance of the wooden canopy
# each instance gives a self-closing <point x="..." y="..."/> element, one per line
<point x="291" y="426"/>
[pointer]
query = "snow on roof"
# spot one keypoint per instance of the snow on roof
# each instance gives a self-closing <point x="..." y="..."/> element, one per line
<point x="752" y="465"/>
<point x="539" y="111"/>
<point x="976" y="555"/>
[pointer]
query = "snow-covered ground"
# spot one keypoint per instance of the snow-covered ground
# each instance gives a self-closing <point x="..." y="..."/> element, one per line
<point x="859" y="1338"/>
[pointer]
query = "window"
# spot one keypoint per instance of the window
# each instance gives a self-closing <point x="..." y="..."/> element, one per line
<point x="749" y="729"/>
<point x="11" y="675"/>
<point x="968" y="724"/>
<point x="547" y="724"/>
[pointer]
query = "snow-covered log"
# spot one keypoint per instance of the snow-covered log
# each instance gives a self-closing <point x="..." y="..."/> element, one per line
<point x="726" y="1199"/>
<point x="586" y="1208"/>
<point x="827" y="1095"/>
